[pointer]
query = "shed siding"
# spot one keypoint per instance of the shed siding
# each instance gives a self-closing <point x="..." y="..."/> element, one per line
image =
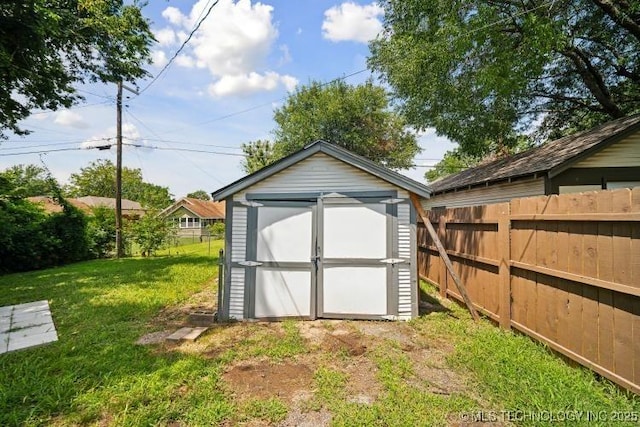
<point x="485" y="195"/>
<point x="625" y="153"/>
<point x="239" y="234"/>
<point x="236" y="294"/>
<point x="405" y="296"/>
<point x="319" y="172"/>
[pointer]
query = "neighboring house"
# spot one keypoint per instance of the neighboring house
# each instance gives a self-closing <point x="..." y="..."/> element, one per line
<point x="605" y="157"/>
<point x="130" y="209"/>
<point x="321" y="233"/>
<point x="192" y="216"/>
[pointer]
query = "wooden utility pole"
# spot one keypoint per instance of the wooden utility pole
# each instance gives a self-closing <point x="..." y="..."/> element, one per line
<point x="119" y="172"/>
<point x="443" y="254"/>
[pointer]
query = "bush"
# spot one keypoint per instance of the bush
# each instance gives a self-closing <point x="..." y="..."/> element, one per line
<point x="31" y="239"/>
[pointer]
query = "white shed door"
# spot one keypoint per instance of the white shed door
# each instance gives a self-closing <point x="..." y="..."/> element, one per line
<point x="283" y="249"/>
<point x="354" y="241"/>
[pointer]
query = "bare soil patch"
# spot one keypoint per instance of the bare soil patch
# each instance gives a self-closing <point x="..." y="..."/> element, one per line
<point x="350" y="342"/>
<point x="398" y="332"/>
<point x="264" y="380"/>
<point x="176" y="316"/>
<point x="432" y="373"/>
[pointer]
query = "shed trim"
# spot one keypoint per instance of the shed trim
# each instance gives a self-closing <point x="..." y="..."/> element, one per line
<point x="334" y="151"/>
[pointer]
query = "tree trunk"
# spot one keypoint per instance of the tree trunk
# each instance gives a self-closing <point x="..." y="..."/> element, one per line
<point x="593" y="81"/>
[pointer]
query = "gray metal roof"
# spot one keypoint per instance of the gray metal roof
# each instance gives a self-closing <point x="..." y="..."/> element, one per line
<point x="552" y="157"/>
<point x="334" y="151"/>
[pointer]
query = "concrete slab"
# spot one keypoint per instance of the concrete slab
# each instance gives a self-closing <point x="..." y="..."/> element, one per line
<point x="26" y="325"/>
<point x="195" y="333"/>
<point x="187" y="334"/>
<point x="179" y="334"/>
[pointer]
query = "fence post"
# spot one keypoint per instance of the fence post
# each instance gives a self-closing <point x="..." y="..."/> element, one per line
<point x="442" y="234"/>
<point x="504" y="269"/>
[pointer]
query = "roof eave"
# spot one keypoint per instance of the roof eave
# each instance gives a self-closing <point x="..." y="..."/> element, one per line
<point x="607" y="142"/>
<point x="332" y="150"/>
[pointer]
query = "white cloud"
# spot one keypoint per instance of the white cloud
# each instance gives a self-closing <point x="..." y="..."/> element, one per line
<point x="352" y="22"/>
<point x="233" y="44"/>
<point x="159" y="58"/>
<point x="130" y="135"/>
<point x="70" y="119"/>
<point x="173" y="15"/>
<point x="244" y="84"/>
<point x="185" y="61"/>
<point x="165" y="36"/>
<point x="289" y="82"/>
<point x="286" y="55"/>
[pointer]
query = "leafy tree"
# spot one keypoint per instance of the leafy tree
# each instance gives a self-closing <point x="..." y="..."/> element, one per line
<point x="258" y="154"/>
<point x="481" y="71"/>
<point x="101" y="232"/>
<point x="454" y="161"/>
<point x="47" y="46"/>
<point x="29" y="180"/>
<point x="217" y="230"/>
<point x="98" y="179"/>
<point x="199" y="194"/>
<point x="150" y="232"/>
<point x="355" y="117"/>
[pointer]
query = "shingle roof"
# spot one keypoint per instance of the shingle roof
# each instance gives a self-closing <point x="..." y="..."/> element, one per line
<point x="110" y="202"/>
<point x="543" y="158"/>
<point x="205" y="209"/>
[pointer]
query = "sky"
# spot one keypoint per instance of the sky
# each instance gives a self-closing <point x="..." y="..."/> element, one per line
<point x="221" y="90"/>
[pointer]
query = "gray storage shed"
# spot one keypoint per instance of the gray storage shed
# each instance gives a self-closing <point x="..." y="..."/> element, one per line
<point x="322" y="233"/>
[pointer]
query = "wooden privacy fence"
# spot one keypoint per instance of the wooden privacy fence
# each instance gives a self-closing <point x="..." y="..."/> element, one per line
<point x="564" y="270"/>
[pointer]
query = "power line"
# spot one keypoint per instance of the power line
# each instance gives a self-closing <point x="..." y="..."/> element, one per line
<point x="189" y="150"/>
<point x="255" y="107"/>
<point x="54" y="144"/>
<point x="177" y="52"/>
<point x="127" y="111"/>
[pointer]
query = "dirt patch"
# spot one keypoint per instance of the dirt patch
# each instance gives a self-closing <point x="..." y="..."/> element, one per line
<point x="363" y="386"/>
<point x="432" y="372"/>
<point x="154" y="337"/>
<point x="349" y="342"/>
<point x="398" y="332"/>
<point x="297" y="418"/>
<point x="176" y="316"/>
<point x="264" y="381"/>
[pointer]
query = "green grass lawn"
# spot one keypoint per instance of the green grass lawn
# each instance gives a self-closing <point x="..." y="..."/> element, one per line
<point x="96" y="374"/>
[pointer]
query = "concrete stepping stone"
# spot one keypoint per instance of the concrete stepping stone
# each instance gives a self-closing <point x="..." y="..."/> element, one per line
<point x="26" y="325"/>
<point x="187" y="334"/>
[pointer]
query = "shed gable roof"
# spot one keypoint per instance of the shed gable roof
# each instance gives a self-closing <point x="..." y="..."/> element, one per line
<point x="552" y="157"/>
<point x="329" y="149"/>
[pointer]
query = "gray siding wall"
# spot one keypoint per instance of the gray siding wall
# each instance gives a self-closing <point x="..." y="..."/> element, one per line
<point x="485" y="195"/>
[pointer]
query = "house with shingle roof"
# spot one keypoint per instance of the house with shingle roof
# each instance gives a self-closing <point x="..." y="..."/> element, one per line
<point x="605" y="157"/>
<point x="192" y="216"/>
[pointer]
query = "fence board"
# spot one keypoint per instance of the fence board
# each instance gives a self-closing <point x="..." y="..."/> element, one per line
<point x="563" y="269"/>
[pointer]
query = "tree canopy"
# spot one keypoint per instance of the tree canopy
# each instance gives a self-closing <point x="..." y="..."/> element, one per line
<point x="98" y="179"/>
<point x="199" y="194"/>
<point x="47" y="46"/>
<point x="29" y="180"/>
<point x="480" y="72"/>
<point x="357" y="118"/>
